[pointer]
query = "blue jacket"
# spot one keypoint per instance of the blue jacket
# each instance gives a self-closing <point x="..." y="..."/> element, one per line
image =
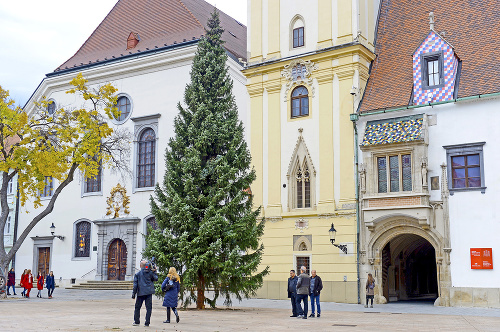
<point x="170" y="299"/>
<point x="49" y="282"/>
<point x="144" y="282"/>
<point x="292" y="286"/>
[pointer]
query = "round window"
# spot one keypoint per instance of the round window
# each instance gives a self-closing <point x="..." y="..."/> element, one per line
<point x="124" y="107"/>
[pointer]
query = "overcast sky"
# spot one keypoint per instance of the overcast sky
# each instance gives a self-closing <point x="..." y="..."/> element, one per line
<point x="38" y="36"/>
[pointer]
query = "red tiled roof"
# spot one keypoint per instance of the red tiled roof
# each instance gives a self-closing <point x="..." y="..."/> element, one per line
<point x="472" y="27"/>
<point x="156" y="22"/>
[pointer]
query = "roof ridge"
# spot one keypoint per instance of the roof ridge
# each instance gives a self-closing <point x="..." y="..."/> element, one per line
<point x="196" y="19"/>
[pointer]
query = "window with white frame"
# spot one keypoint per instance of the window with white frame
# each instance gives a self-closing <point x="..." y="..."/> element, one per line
<point x="93" y="184"/>
<point x="146" y="159"/>
<point x="394" y="173"/>
<point x="297" y="32"/>
<point x="10" y="187"/>
<point x="7" y="225"/>
<point x="82" y="239"/>
<point x="49" y="187"/>
<point x="303" y="261"/>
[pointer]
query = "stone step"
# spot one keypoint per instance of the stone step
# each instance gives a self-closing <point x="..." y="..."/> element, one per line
<point x="105" y="285"/>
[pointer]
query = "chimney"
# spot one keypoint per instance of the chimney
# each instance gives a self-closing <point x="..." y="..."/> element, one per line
<point x="132" y="40"/>
<point x="431" y="20"/>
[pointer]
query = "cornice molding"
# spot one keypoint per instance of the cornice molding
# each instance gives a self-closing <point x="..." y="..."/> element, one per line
<point x="255" y="90"/>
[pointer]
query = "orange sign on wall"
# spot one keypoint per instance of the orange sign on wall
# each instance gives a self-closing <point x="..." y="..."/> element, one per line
<point x="481" y="258"/>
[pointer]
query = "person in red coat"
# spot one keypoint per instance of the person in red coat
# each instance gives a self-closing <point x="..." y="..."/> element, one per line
<point x="39" y="284"/>
<point x="23" y="281"/>
<point x="28" y="283"/>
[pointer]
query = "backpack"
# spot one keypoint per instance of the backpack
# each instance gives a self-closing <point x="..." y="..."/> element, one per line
<point x="371" y="286"/>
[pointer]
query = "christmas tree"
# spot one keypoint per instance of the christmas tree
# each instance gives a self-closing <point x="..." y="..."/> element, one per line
<point x="207" y="228"/>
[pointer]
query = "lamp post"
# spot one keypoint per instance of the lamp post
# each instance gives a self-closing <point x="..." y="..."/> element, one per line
<point x="53" y="230"/>
<point x="333" y="233"/>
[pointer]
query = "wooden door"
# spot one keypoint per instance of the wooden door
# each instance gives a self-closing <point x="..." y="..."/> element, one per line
<point x="117" y="260"/>
<point x="43" y="261"/>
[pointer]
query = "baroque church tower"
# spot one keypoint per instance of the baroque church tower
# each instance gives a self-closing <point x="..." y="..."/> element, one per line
<point x="308" y="66"/>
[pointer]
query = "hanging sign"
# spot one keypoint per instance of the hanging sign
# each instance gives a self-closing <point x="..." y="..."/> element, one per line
<point x="481" y="258"/>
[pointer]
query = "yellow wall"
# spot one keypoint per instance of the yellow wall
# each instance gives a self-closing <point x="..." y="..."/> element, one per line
<point x="338" y="69"/>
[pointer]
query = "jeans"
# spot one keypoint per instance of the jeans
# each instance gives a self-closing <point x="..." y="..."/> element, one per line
<point x="50" y="291"/>
<point x="293" y="299"/>
<point x="13" y="289"/>
<point x="315" y="298"/>
<point x="303" y="298"/>
<point x="138" y="304"/>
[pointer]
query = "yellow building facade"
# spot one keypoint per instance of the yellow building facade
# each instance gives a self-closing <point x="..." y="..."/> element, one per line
<point x="308" y="65"/>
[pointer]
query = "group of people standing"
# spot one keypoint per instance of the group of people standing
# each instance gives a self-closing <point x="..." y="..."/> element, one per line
<point x="302" y="287"/>
<point x="27" y="283"/>
<point x="144" y="289"/>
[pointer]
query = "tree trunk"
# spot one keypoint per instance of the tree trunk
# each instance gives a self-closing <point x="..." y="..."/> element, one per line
<point x="200" y="299"/>
<point x="3" y="280"/>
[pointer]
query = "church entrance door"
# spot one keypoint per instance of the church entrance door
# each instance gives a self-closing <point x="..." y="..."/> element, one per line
<point x="43" y="261"/>
<point x="117" y="260"/>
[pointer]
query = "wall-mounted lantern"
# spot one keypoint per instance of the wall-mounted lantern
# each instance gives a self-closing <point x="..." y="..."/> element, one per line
<point x="333" y="233"/>
<point x="53" y="230"/>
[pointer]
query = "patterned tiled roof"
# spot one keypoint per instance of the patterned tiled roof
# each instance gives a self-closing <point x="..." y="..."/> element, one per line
<point x="395" y="130"/>
<point x="159" y="23"/>
<point x="472" y="27"/>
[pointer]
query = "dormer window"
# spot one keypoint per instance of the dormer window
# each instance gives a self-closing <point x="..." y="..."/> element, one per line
<point x="432" y="70"/>
<point x="132" y="40"/>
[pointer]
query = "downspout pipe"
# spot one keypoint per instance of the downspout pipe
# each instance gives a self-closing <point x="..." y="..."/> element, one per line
<point x="354" y="117"/>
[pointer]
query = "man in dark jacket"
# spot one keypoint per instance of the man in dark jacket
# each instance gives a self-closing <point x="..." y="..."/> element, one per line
<point x="316" y="286"/>
<point x="292" y="292"/>
<point x="144" y="288"/>
<point x="303" y="284"/>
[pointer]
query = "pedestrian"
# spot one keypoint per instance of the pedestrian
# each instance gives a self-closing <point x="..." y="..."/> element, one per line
<point x="171" y="286"/>
<point x="28" y="283"/>
<point x="50" y="284"/>
<point x="22" y="282"/>
<point x="315" y="287"/>
<point x="303" y="284"/>
<point x="11" y="281"/>
<point x="144" y="288"/>
<point x="370" y="290"/>
<point x="39" y="284"/>
<point x="292" y="292"/>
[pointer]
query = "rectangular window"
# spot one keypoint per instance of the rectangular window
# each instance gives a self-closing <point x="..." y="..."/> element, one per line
<point x="465" y="167"/>
<point x="299" y="193"/>
<point x="298" y="37"/>
<point x="303" y="261"/>
<point x="93" y="185"/>
<point x="432" y="70"/>
<point x="7" y="225"/>
<point x="49" y="187"/>
<point x="399" y="175"/>
<point x="10" y="187"/>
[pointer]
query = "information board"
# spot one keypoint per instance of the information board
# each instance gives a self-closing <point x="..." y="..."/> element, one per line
<point x="481" y="258"/>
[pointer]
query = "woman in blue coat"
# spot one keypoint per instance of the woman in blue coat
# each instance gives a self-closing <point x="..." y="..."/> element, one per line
<point x="50" y="284"/>
<point x="171" y="286"/>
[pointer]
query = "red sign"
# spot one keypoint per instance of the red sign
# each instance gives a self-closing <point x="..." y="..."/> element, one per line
<point x="481" y="258"/>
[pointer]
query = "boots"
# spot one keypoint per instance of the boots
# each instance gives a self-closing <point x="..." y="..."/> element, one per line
<point x="168" y="316"/>
<point x="177" y="319"/>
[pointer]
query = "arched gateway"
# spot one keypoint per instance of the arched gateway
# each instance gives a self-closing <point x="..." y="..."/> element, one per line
<point x="117" y="260"/>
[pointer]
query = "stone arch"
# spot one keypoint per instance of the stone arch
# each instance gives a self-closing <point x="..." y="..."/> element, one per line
<point x="302" y="242"/>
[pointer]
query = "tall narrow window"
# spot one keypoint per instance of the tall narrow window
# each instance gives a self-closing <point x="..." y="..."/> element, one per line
<point x="394" y="173"/>
<point x="49" y="187"/>
<point x="151" y="223"/>
<point x="432" y="70"/>
<point x="10" y="187"/>
<point x="93" y="184"/>
<point x="146" y="159"/>
<point x="82" y="239"/>
<point x="300" y="102"/>
<point x="298" y="37"/>
<point x="7" y="225"/>
<point x="303" y="188"/>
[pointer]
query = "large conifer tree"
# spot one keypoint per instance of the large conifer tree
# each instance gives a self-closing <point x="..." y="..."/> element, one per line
<point x="207" y="228"/>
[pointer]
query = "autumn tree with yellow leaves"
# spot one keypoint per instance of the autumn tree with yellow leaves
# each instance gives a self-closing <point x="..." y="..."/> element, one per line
<point x="39" y="145"/>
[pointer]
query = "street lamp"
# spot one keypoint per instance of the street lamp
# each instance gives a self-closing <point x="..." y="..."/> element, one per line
<point x="333" y="233"/>
<point x="53" y="230"/>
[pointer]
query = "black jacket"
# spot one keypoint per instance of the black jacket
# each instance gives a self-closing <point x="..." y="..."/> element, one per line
<point x="292" y="286"/>
<point x="144" y="282"/>
<point x="318" y="285"/>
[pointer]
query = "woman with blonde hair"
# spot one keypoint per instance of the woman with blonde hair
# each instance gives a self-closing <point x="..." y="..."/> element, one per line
<point x="171" y="286"/>
<point x="370" y="290"/>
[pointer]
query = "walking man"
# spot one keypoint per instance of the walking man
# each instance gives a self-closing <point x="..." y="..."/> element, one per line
<point x="303" y="285"/>
<point x="292" y="292"/>
<point x="316" y="287"/>
<point x="144" y="289"/>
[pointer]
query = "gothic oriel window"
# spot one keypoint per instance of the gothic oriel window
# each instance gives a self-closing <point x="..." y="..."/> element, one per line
<point x="300" y="102"/>
<point x="146" y="159"/>
<point x="394" y="173"/>
<point x="82" y="239"/>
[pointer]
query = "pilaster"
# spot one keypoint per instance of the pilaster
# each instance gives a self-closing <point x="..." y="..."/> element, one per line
<point x="256" y="140"/>
<point x="324" y="24"/>
<point x="344" y="10"/>
<point x="273" y="29"/>
<point x="256" y="32"/>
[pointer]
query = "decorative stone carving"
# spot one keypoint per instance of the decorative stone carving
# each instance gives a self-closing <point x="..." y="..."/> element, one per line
<point x="301" y="224"/>
<point x="362" y="178"/>
<point x="298" y="72"/>
<point x="424" y="173"/>
<point x="118" y="202"/>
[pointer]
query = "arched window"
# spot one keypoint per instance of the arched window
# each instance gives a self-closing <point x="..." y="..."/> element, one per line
<point x="302" y="246"/>
<point x="297" y="33"/>
<point x="151" y="222"/>
<point x="51" y="107"/>
<point x="124" y="107"/>
<point x="303" y="187"/>
<point x="300" y="102"/>
<point x="301" y="177"/>
<point x="146" y="159"/>
<point x="82" y="239"/>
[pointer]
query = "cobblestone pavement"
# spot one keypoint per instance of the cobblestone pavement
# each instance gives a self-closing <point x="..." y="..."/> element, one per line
<point x="84" y="310"/>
